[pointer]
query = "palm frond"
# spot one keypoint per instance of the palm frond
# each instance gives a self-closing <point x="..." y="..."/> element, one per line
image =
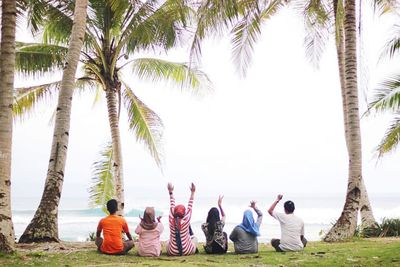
<point x="26" y="99"/>
<point x="387" y="96"/>
<point x="385" y="6"/>
<point x="102" y="188"/>
<point x="317" y="25"/>
<point x="180" y="74"/>
<point x="391" y="139"/>
<point x="392" y="47"/>
<point x="155" y="26"/>
<point x="39" y="59"/>
<point x="245" y="34"/>
<point x="146" y="124"/>
<point x="213" y="18"/>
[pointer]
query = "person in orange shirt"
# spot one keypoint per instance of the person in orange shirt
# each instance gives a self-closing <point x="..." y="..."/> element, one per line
<point x="112" y="227"/>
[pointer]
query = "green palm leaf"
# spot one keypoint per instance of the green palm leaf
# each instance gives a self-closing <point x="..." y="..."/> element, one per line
<point x="393" y="45"/>
<point x="154" y="26"/>
<point x="26" y="99"/>
<point x="391" y="138"/>
<point x="385" y="6"/>
<point x="387" y="96"/>
<point x="102" y="187"/>
<point x="245" y="34"/>
<point x="180" y="74"/>
<point x="213" y="18"/>
<point x="317" y="25"/>
<point x="248" y="29"/>
<point x="145" y="123"/>
<point x="39" y="59"/>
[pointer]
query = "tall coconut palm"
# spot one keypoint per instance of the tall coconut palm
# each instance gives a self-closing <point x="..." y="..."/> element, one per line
<point x="116" y="31"/>
<point x="7" y="62"/>
<point x="44" y="225"/>
<point x="319" y="23"/>
<point x="244" y="18"/>
<point x="345" y="226"/>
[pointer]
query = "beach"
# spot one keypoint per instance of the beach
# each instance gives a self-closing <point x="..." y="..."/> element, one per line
<point x="77" y="221"/>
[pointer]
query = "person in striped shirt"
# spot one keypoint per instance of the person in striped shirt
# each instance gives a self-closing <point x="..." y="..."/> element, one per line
<point x="180" y="243"/>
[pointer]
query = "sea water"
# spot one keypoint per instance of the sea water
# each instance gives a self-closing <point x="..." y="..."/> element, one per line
<point x="76" y="221"/>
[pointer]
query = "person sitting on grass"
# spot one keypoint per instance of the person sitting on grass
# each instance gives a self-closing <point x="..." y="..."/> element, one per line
<point x="112" y="227"/>
<point x="216" y="238"/>
<point x="244" y="236"/>
<point x="292" y="228"/>
<point x="149" y="231"/>
<point x="181" y="241"/>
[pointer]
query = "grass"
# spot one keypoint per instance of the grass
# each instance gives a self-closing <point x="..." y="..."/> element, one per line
<point x="358" y="252"/>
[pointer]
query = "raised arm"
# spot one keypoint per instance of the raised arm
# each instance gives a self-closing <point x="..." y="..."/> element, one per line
<point x="271" y="209"/>
<point x="220" y="208"/>
<point x="192" y="191"/>
<point x="171" y="197"/>
<point x="259" y="213"/>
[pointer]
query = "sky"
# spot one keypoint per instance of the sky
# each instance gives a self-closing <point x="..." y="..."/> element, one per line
<point x="278" y="130"/>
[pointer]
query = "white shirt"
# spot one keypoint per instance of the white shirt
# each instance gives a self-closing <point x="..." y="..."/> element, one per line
<point x="292" y="227"/>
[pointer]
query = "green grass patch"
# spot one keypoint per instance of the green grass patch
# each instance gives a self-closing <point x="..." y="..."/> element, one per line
<point x="358" y="252"/>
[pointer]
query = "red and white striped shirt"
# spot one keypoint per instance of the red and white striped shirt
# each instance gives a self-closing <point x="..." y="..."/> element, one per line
<point x="187" y="244"/>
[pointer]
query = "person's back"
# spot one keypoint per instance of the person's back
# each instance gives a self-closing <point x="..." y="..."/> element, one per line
<point x="244" y="236"/>
<point x="243" y="241"/>
<point x="292" y="228"/>
<point x="181" y="243"/>
<point x="149" y="232"/>
<point x="112" y="227"/>
<point x="213" y="229"/>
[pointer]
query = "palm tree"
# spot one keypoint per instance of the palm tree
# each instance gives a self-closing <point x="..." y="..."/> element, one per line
<point x="44" y="225"/>
<point x="317" y="14"/>
<point x="345" y="226"/>
<point x="245" y="18"/>
<point x="115" y="32"/>
<point x="7" y="62"/>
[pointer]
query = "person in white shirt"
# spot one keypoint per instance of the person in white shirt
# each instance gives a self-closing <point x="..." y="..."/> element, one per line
<point x="292" y="228"/>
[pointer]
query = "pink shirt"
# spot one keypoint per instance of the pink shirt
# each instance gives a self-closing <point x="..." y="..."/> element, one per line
<point x="149" y="241"/>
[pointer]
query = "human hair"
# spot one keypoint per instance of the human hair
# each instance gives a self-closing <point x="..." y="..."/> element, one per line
<point x="212" y="219"/>
<point x="289" y="207"/>
<point x="112" y="206"/>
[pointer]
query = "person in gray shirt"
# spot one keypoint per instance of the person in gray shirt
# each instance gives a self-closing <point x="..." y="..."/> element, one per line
<point x="244" y="235"/>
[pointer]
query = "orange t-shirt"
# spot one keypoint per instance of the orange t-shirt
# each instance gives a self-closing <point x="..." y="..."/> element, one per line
<point x="112" y="227"/>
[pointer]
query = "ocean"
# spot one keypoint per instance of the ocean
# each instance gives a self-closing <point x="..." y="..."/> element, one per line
<point x="76" y="221"/>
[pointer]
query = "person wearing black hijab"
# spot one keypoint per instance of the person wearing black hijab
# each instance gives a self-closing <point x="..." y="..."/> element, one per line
<point x="216" y="239"/>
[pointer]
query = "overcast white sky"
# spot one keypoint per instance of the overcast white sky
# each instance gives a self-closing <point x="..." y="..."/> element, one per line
<point x="278" y="130"/>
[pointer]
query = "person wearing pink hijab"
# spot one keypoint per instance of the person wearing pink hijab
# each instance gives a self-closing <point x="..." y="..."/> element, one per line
<point x="149" y="231"/>
<point x="181" y="242"/>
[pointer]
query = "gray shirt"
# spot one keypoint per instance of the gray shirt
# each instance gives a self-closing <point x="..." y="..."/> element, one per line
<point x="243" y="241"/>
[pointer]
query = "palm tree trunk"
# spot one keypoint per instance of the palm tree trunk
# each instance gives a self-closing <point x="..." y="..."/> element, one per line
<point x="44" y="225"/>
<point x="345" y="226"/>
<point x="367" y="216"/>
<point x="113" y="118"/>
<point x="7" y="63"/>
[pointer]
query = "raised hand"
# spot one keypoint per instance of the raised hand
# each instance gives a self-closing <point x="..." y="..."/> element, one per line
<point x="220" y="198"/>
<point x="192" y="188"/>
<point x="253" y="204"/>
<point x="170" y="187"/>
<point x="279" y="197"/>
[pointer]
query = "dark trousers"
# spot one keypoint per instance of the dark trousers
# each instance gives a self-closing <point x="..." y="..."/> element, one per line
<point x="276" y="242"/>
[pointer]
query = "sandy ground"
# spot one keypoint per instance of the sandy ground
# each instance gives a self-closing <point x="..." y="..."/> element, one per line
<point x="62" y="247"/>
